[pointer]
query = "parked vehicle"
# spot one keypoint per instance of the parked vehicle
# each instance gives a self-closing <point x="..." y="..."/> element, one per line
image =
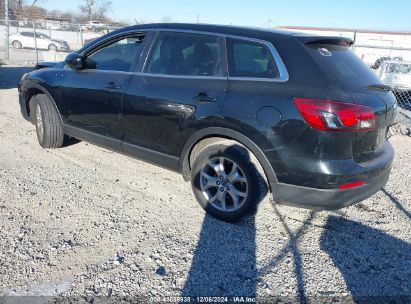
<point x="54" y="26"/>
<point x="237" y="111"/>
<point x="27" y="40"/>
<point x="94" y="26"/>
<point x="380" y="60"/>
<point x="90" y="37"/>
<point x="397" y="74"/>
<point x="70" y="27"/>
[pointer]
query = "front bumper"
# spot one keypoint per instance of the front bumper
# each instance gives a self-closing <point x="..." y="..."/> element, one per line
<point x="23" y="108"/>
<point x="331" y="199"/>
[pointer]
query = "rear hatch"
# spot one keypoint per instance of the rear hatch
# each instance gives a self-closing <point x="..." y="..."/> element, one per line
<point x="346" y="72"/>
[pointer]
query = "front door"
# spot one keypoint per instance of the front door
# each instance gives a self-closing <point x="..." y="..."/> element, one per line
<point x="92" y="99"/>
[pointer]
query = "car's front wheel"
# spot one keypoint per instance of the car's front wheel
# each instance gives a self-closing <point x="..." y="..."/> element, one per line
<point x="227" y="181"/>
<point x="48" y="124"/>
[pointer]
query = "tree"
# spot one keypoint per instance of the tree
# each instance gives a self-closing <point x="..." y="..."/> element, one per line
<point x="34" y="2"/>
<point x="35" y="12"/>
<point x="15" y="9"/>
<point x="166" y="19"/>
<point x="96" y="9"/>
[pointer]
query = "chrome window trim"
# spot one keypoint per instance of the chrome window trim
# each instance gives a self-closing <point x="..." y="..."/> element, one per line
<point x="181" y="76"/>
<point x="284" y="76"/>
<point x="92" y="48"/>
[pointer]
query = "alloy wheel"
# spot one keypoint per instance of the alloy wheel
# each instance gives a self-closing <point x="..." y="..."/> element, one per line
<point x="17" y="44"/>
<point x="224" y="184"/>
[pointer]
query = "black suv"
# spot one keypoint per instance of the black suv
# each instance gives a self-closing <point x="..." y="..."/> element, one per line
<point x="237" y="111"/>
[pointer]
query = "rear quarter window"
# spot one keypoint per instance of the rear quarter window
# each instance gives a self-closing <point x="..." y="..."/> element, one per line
<point x="250" y="59"/>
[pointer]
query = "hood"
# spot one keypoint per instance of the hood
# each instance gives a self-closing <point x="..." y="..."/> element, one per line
<point x="44" y="64"/>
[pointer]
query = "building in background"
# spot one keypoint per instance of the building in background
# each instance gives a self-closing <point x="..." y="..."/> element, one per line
<point x="369" y="45"/>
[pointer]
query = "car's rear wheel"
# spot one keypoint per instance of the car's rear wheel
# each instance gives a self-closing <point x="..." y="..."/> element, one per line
<point x="48" y="124"/>
<point x="17" y="44"/>
<point x="52" y="47"/>
<point x="227" y="181"/>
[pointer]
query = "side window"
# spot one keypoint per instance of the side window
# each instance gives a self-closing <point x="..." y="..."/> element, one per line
<point x="185" y="54"/>
<point x="118" y="56"/>
<point x="250" y="59"/>
<point x="26" y="34"/>
<point x="40" y="36"/>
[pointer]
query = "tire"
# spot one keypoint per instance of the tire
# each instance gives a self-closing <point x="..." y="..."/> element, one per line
<point x="17" y="44"/>
<point x="53" y="47"/>
<point x="228" y="200"/>
<point x="48" y="124"/>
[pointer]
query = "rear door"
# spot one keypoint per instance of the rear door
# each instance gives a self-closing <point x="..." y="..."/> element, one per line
<point x="42" y="41"/>
<point x="183" y="79"/>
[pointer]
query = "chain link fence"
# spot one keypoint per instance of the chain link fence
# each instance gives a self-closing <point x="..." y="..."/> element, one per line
<point x="389" y="56"/>
<point x="27" y="42"/>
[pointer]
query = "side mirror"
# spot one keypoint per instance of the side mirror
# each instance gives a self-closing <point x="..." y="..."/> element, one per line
<point x="75" y="61"/>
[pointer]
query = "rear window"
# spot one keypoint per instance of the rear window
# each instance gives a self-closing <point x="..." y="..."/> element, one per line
<point x="345" y="69"/>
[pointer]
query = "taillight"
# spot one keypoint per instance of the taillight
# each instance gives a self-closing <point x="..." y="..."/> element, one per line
<point x="329" y="115"/>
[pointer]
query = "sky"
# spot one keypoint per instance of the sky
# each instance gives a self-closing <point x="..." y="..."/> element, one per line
<point x="353" y="14"/>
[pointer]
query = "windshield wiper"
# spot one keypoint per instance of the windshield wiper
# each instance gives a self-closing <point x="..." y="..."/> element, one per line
<point x="383" y="87"/>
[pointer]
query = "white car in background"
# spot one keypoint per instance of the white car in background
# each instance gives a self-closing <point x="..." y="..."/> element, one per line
<point x="44" y="42"/>
<point x="94" y="26"/>
<point x="397" y="74"/>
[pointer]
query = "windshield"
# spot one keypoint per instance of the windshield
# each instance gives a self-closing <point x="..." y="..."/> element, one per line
<point x="343" y="68"/>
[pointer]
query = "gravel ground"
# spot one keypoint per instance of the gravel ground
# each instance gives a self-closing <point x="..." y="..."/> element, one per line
<point x="85" y="223"/>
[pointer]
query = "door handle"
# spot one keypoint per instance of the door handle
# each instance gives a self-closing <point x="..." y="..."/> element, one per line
<point x="203" y="97"/>
<point x="112" y="86"/>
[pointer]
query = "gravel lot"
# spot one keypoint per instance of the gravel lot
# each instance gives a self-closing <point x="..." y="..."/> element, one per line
<point x="82" y="222"/>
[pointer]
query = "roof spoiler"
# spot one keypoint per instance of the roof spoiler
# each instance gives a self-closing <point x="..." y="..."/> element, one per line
<point x="326" y="40"/>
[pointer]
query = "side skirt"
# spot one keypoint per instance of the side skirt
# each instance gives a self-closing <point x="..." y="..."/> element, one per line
<point x="156" y="158"/>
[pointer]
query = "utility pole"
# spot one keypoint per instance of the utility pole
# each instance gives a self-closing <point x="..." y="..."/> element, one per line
<point x="35" y="42"/>
<point x="91" y="10"/>
<point x="6" y="42"/>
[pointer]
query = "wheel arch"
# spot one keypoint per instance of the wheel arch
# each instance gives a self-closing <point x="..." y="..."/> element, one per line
<point x="214" y="134"/>
<point x="35" y="89"/>
<point x="16" y="40"/>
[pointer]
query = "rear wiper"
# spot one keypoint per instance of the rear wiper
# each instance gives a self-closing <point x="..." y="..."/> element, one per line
<point x="383" y="87"/>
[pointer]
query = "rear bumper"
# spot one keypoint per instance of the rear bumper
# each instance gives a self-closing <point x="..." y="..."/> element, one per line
<point x="377" y="170"/>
